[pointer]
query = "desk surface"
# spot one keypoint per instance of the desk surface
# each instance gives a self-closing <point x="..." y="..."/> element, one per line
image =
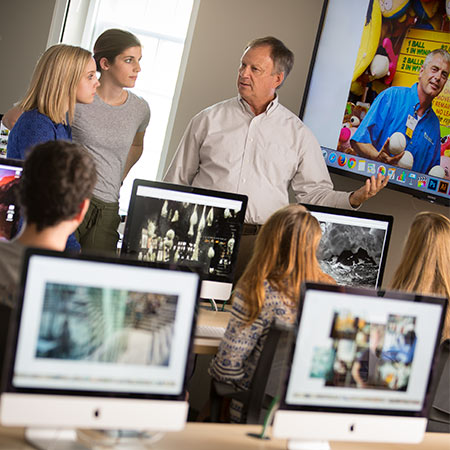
<point x="203" y="436"/>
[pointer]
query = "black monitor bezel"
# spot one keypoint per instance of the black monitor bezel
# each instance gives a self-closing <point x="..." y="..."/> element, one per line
<point x="362" y="215"/>
<point x="374" y="293"/>
<point x="417" y="193"/>
<point x="13" y="333"/>
<point x="190" y="190"/>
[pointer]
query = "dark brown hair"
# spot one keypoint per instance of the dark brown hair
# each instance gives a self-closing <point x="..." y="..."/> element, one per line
<point x="113" y="42"/>
<point x="56" y="178"/>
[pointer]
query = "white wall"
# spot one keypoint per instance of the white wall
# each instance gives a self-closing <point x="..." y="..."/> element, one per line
<point x="24" y="32"/>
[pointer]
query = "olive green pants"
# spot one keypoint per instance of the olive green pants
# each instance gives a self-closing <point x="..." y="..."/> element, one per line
<point x="98" y="231"/>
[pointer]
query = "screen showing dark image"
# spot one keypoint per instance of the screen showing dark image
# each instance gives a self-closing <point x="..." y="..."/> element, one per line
<point x="187" y="228"/>
<point x="354" y="245"/>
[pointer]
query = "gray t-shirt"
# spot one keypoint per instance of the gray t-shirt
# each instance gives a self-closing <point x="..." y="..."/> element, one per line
<point x="108" y="132"/>
<point x="11" y="254"/>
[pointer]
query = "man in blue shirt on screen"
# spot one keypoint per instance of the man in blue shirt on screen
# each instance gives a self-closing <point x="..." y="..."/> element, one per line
<point x="407" y="110"/>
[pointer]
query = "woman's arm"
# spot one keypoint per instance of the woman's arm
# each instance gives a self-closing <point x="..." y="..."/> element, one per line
<point x="135" y="152"/>
<point x="11" y="116"/>
<point x="238" y="343"/>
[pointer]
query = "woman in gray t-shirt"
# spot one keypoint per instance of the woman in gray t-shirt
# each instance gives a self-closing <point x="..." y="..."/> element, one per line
<point x="112" y="128"/>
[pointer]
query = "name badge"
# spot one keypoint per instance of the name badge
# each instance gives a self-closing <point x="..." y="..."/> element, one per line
<point x="411" y="123"/>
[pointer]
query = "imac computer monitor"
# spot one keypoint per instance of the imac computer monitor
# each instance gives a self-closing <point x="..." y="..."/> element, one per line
<point x="10" y="171"/>
<point x="361" y="366"/>
<point x="100" y="343"/>
<point x="187" y="226"/>
<point x="354" y="245"/>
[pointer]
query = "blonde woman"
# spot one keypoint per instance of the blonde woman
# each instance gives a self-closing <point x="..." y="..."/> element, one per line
<point x="424" y="268"/>
<point x="284" y="256"/>
<point x="64" y="75"/>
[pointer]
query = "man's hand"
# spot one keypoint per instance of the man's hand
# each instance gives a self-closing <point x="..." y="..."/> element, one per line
<point x="371" y="187"/>
<point x="385" y="157"/>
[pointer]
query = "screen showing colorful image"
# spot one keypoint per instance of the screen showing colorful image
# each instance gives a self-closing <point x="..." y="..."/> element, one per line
<point x="357" y="351"/>
<point x="99" y="326"/>
<point x="354" y="246"/>
<point x="185" y="228"/>
<point x="9" y="205"/>
<point x="380" y="109"/>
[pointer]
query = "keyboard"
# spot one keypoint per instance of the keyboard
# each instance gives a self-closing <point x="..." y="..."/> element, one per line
<point x="209" y="331"/>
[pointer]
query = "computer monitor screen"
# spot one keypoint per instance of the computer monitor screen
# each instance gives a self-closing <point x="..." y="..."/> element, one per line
<point x="354" y="245"/>
<point x="100" y="343"/>
<point x="187" y="226"/>
<point x="361" y="90"/>
<point x="10" y="171"/>
<point x="361" y="363"/>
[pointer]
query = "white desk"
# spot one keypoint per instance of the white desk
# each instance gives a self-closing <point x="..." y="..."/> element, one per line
<point x="203" y="436"/>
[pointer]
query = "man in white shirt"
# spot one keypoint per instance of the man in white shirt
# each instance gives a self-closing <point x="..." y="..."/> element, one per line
<point x="253" y="145"/>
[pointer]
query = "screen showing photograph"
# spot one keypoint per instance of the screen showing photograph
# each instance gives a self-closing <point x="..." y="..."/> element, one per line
<point x="104" y="326"/>
<point x="9" y="205"/>
<point x="185" y="228"/>
<point x="387" y="102"/>
<point x="357" y="351"/>
<point x="352" y="249"/>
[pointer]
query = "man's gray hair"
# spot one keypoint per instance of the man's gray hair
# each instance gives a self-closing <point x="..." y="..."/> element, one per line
<point x="282" y="57"/>
<point x="438" y="51"/>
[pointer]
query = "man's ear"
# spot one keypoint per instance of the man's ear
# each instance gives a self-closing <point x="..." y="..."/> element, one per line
<point x="279" y="79"/>
<point x="82" y="210"/>
<point x="104" y="63"/>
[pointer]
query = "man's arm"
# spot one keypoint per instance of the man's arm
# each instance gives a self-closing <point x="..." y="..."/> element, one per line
<point x="186" y="162"/>
<point x="312" y="183"/>
<point x="370" y="152"/>
<point x="371" y="188"/>
<point x="135" y="152"/>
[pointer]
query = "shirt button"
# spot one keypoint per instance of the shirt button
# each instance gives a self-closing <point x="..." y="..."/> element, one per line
<point x="243" y="180"/>
<point x="251" y="139"/>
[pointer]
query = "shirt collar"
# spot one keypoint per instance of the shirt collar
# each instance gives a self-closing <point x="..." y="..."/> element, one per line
<point x="270" y="107"/>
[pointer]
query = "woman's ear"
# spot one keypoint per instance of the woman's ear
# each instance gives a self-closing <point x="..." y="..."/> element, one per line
<point x="104" y="63"/>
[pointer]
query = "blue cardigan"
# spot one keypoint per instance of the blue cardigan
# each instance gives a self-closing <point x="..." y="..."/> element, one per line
<point x="34" y="128"/>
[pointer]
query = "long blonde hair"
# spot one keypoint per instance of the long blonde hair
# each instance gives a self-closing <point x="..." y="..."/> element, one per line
<point x="284" y="255"/>
<point x="424" y="266"/>
<point x="53" y="86"/>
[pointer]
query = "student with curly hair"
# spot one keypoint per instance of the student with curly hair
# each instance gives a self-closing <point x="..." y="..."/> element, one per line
<point x="284" y="257"/>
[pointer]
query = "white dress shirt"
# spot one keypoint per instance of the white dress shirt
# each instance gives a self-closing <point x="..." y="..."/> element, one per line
<point x="227" y="148"/>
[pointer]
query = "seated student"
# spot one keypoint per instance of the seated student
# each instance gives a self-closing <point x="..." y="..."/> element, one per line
<point x="55" y="187"/>
<point x="424" y="269"/>
<point x="284" y="256"/>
